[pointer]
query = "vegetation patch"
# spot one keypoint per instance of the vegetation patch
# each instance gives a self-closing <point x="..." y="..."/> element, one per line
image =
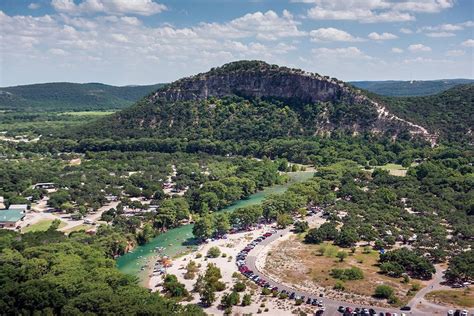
<point x="460" y="298"/>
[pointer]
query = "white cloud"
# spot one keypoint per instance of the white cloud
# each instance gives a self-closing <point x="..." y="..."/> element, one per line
<point x="440" y="34"/>
<point x="34" y="6"/>
<point x="120" y="7"/>
<point x="397" y="50"/>
<point x="425" y="6"/>
<point x="332" y="35"/>
<point x="264" y="26"/>
<point x="468" y="43"/>
<point x="345" y="52"/>
<point x="405" y="30"/>
<point x="382" y="37"/>
<point x="57" y="51"/>
<point x="455" y="53"/>
<point x="444" y="30"/>
<point x="415" y="48"/>
<point x="371" y="11"/>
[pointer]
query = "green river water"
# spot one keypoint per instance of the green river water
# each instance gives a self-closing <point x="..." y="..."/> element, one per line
<point x="180" y="240"/>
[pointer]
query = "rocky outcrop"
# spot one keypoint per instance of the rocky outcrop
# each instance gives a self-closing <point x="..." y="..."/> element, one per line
<point x="259" y="79"/>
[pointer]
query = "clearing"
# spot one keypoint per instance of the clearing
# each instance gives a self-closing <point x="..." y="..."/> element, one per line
<point x="295" y="262"/>
<point x="40" y="226"/>
<point x="459" y="298"/>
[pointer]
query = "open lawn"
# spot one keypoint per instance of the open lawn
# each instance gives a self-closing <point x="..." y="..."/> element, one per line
<point x="458" y="298"/>
<point x="394" y="169"/>
<point x="78" y="228"/>
<point x="88" y="113"/>
<point x="297" y="263"/>
<point x="40" y="226"/>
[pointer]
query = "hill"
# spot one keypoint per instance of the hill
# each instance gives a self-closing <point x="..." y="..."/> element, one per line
<point x="409" y="88"/>
<point x="449" y="114"/>
<point x="253" y="100"/>
<point x="65" y="96"/>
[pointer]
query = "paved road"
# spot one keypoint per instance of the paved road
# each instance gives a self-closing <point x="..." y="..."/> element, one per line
<point x="330" y="304"/>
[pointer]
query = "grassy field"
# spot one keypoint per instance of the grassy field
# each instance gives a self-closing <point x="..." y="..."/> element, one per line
<point x="41" y="226"/>
<point x="299" y="263"/>
<point x="88" y="113"/>
<point x="458" y="298"/>
<point x="78" y="228"/>
<point x="394" y="169"/>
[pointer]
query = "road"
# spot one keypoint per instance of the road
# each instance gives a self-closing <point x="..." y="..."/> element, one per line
<point x="330" y="304"/>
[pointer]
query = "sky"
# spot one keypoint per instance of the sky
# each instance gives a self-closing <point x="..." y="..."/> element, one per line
<point x="131" y="42"/>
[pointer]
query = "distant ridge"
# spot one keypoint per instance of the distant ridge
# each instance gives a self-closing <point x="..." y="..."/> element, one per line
<point x="66" y="96"/>
<point x="409" y="88"/>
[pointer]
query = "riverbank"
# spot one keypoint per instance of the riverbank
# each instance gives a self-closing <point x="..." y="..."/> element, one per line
<point x="180" y="240"/>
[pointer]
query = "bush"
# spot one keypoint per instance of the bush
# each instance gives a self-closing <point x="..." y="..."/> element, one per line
<point x="283" y="296"/>
<point x="198" y="255"/>
<point x="383" y="291"/>
<point x="239" y="287"/>
<point x="353" y="273"/>
<point x="339" y="286"/>
<point x="266" y="291"/>
<point x="298" y="302"/>
<point x="214" y="252"/>
<point x="246" y="300"/>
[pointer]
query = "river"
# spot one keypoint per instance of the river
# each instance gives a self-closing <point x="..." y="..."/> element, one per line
<point x="180" y="240"/>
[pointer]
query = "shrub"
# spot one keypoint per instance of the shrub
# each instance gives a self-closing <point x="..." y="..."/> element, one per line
<point x="298" y="302"/>
<point x="266" y="291"/>
<point x="353" y="273"/>
<point x="383" y="291"/>
<point x="239" y="287"/>
<point x="246" y="300"/>
<point x="339" y="286"/>
<point x="198" y="255"/>
<point x="214" y="252"/>
<point x="283" y="296"/>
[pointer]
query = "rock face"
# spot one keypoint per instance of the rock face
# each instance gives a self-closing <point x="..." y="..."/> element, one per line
<point x="259" y="79"/>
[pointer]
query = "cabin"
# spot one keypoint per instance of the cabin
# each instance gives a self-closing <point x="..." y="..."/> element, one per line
<point x="10" y="218"/>
<point x="20" y="207"/>
<point x="44" y="185"/>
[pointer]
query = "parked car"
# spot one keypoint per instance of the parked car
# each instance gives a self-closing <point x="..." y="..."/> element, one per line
<point x="292" y="295"/>
<point x="405" y="308"/>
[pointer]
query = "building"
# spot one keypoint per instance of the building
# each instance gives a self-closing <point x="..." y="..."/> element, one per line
<point x="20" y="207"/>
<point x="44" y="185"/>
<point x="10" y="218"/>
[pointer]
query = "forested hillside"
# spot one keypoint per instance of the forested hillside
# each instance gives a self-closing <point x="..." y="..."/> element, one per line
<point x="409" y="88"/>
<point x="449" y="114"/>
<point x="253" y="100"/>
<point x="65" y="96"/>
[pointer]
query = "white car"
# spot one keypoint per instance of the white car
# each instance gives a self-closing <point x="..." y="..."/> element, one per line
<point x="464" y="313"/>
<point x="450" y="312"/>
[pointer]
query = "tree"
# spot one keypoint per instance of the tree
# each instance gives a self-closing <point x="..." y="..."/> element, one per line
<point x="301" y="226"/>
<point x="213" y="252"/>
<point x="246" y="300"/>
<point x="326" y="231"/>
<point x="230" y="299"/>
<point x="204" y="227"/>
<point x="347" y="237"/>
<point x="239" y="287"/>
<point x="173" y="287"/>
<point x="208" y="295"/>
<point x="283" y="220"/>
<point x="341" y="255"/>
<point x="222" y="223"/>
<point x="383" y="291"/>
<point x="461" y="267"/>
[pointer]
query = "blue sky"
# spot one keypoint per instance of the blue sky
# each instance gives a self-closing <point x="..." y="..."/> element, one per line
<point x="124" y="42"/>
